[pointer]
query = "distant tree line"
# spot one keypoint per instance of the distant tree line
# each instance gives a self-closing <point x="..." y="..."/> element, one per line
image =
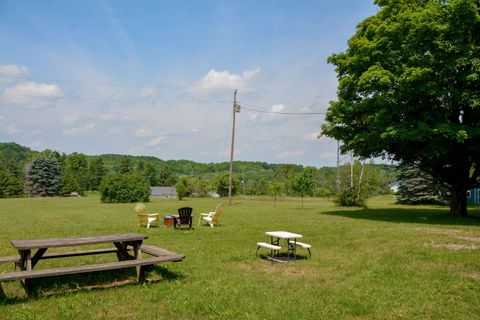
<point x="22" y="172"/>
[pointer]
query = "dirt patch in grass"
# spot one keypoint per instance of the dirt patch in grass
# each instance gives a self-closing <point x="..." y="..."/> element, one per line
<point x="448" y="232"/>
<point x="473" y="239"/>
<point x="474" y="275"/>
<point x="453" y="233"/>
<point x="451" y="246"/>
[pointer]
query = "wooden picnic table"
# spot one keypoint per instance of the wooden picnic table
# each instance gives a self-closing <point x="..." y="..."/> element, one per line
<point x="32" y="251"/>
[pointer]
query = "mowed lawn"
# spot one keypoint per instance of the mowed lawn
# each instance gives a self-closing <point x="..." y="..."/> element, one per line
<point x="384" y="262"/>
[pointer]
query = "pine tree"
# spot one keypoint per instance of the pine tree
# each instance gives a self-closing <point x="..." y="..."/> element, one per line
<point x="43" y="177"/>
<point x="418" y="187"/>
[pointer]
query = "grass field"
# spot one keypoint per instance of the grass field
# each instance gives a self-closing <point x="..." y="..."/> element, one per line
<point x="385" y="262"/>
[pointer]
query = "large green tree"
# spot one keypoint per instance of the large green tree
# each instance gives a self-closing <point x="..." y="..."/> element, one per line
<point x="43" y="177"/>
<point x="409" y="90"/>
<point x="96" y="172"/>
<point x="75" y="177"/>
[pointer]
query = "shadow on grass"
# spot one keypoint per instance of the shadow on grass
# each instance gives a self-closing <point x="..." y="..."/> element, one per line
<point x="413" y="215"/>
<point x="67" y="284"/>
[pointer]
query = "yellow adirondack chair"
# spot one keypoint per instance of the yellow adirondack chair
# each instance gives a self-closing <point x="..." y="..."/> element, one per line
<point x="144" y="218"/>
<point x="211" y="217"/>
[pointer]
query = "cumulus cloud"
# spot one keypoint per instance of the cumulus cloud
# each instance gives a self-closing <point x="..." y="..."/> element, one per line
<point x="12" y="130"/>
<point x="275" y="108"/>
<point x="8" y="72"/>
<point x="290" y="154"/>
<point x="32" y="94"/>
<point x="219" y="80"/>
<point x="155" y="142"/>
<point x="143" y="132"/>
<point x="35" y="89"/>
<point x="80" y="129"/>
<point x="68" y="119"/>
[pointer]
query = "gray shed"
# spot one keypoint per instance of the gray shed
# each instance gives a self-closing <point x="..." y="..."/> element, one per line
<point x="163" y="192"/>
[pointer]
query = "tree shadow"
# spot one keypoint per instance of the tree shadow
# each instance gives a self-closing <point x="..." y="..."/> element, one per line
<point x="413" y="215"/>
<point x="103" y="280"/>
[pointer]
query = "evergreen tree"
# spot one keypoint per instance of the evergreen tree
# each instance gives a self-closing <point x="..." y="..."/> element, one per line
<point x="418" y="187"/>
<point x="124" y="165"/>
<point x="43" y="177"/>
<point x="166" y="177"/>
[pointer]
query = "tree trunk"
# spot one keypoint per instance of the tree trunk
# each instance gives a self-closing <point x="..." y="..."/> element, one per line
<point x="458" y="203"/>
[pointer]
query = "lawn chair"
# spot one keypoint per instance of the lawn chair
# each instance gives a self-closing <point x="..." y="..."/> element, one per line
<point x="211" y="217"/>
<point x="184" y="217"/>
<point x="144" y="218"/>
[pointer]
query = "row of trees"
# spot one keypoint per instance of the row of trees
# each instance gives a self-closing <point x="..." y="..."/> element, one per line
<point x="79" y="172"/>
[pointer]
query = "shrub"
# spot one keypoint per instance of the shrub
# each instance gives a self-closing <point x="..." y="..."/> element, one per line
<point x="183" y="187"/>
<point x="221" y="182"/>
<point x="124" y="188"/>
<point x="351" y="197"/>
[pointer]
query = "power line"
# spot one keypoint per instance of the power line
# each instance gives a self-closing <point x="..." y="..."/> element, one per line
<point x="283" y="113"/>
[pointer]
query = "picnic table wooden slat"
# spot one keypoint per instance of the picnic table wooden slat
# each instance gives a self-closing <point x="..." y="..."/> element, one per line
<point x="89" y="268"/>
<point x="75" y="241"/>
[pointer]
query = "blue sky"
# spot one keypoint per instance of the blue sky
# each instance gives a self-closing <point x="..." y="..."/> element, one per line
<point x="157" y="77"/>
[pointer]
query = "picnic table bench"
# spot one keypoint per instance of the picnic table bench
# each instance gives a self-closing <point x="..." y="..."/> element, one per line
<point x="128" y="248"/>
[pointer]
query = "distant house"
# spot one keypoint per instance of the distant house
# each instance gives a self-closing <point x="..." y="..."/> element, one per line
<point x="473" y="196"/>
<point x="163" y="192"/>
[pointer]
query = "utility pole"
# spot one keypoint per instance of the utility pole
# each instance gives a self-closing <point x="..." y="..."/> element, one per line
<point x="338" y="167"/>
<point x="235" y="109"/>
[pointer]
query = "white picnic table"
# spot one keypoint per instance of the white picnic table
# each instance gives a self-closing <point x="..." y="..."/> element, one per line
<point x="275" y="237"/>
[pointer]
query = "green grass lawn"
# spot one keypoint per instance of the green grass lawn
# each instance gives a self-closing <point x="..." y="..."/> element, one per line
<point x="384" y="262"/>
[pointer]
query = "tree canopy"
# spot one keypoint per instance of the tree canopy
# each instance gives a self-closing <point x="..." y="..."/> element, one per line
<point x="409" y="90"/>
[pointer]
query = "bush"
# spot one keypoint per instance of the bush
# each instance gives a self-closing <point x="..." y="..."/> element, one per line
<point x="183" y="187"/>
<point x="124" y="188"/>
<point x="221" y="183"/>
<point x="351" y="197"/>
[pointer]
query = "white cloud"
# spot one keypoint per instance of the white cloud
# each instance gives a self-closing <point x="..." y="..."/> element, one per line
<point x="108" y="116"/>
<point x="31" y="94"/>
<point x="290" y="154"/>
<point x="143" y="132"/>
<point x="148" y="91"/>
<point x="79" y="130"/>
<point x="12" y="130"/>
<point x="2" y="118"/>
<point x="70" y="119"/>
<point x="220" y="80"/>
<point x="35" y="89"/>
<point x="253" y="116"/>
<point x="8" y="72"/>
<point x="277" y="108"/>
<point x="155" y="142"/>
<point x="37" y="144"/>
